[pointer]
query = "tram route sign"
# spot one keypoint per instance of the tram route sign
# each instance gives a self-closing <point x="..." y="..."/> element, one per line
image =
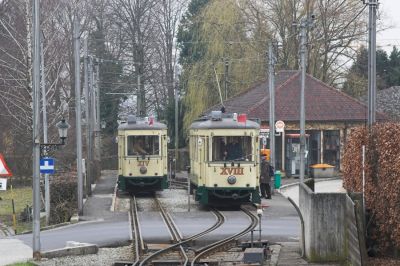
<point x="47" y="166"/>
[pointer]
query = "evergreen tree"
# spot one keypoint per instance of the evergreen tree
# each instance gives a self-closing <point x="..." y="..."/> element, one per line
<point x="356" y="83"/>
<point x="393" y="77"/>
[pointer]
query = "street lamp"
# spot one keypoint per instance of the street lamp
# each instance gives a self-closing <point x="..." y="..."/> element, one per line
<point x="62" y="132"/>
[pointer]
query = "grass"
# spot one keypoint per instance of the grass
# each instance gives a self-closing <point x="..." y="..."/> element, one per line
<point x="22" y="197"/>
<point x="22" y="264"/>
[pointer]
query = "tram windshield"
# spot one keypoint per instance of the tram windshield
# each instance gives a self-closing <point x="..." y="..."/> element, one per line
<point x="143" y="145"/>
<point x="231" y="148"/>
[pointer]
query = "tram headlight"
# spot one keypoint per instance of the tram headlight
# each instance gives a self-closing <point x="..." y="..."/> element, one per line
<point x="143" y="170"/>
<point x="231" y="179"/>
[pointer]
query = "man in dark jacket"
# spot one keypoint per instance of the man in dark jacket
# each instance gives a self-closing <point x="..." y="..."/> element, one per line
<point x="265" y="179"/>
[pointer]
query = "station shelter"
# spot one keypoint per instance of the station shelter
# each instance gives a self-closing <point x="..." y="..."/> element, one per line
<point x="330" y="115"/>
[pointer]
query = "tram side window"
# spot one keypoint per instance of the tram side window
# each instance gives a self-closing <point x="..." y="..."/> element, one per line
<point x="232" y="148"/>
<point x="143" y="145"/>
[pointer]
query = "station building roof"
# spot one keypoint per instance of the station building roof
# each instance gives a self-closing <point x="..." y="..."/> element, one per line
<point x="322" y="102"/>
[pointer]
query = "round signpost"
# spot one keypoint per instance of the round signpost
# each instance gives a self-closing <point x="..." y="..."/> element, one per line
<point x="279" y="126"/>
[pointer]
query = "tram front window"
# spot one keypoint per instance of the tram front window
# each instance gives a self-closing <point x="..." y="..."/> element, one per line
<point x="232" y="148"/>
<point x="143" y="145"/>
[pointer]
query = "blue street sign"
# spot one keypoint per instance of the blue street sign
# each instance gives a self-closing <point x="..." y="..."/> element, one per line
<point x="47" y="166"/>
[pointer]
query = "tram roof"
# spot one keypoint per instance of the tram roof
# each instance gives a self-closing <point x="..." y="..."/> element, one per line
<point x="224" y="123"/>
<point x="142" y="125"/>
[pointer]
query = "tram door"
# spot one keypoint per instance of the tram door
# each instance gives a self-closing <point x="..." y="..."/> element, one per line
<point x="292" y="162"/>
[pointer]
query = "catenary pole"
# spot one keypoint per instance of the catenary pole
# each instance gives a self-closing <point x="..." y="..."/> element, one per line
<point x="176" y="120"/>
<point x="45" y="138"/>
<point x="138" y="97"/>
<point x="78" y="113"/>
<point x="372" y="62"/>
<point x="97" y="112"/>
<point x="303" y="53"/>
<point x="226" y="78"/>
<point x="92" y="113"/>
<point x="87" y="118"/>
<point x="271" y="79"/>
<point x="36" y="131"/>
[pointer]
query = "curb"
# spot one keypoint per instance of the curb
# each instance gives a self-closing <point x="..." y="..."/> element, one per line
<point x="46" y="228"/>
<point x="276" y="250"/>
<point x="315" y="180"/>
<point x="72" y="249"/>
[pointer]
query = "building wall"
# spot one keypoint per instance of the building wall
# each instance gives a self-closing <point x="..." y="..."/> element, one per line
<point x="343" y="127"/>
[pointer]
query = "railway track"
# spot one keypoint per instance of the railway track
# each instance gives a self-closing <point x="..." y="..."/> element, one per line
<point x="228" y="242"/>
<point x="179" y="252"/>
<point x="220" y="220"/>
<point x="138" y="243"/>
<point x="178" y="184"/>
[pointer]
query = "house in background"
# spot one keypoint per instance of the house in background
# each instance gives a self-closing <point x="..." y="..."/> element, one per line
<point x="330" y="114"/>
<point x="388" y="102"/>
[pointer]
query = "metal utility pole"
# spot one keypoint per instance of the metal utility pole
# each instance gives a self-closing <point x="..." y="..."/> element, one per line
<point x="271" y="79"/>
<point x="97" y="114"/>
<point x="36" y="131"/>
<point x="138" y="97"/>
<point x="176" y="120"/>
<point x="304" y="24"/>
<point x="226" y="79"/>
<point x="78" y="112"/>
<point x="92" y="113"/>
<point x="372" y="61"/>
<point x="87" y="118"/>
<point x="45" y="139"/>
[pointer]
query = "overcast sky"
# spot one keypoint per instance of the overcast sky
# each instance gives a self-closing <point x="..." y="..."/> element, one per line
<point x="390" y="16"/>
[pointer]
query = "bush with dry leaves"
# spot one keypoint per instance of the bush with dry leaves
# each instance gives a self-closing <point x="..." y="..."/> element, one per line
<point x="382" y="179"/>
<point x="63" y="198"/>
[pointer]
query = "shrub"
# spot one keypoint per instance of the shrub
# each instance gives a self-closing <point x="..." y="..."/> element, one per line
<point x="382" y="179"/>
<point x="63" y="198"/>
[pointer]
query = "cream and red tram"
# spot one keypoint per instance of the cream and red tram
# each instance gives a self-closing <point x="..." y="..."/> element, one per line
<point x="224" y="160"/>
<point x="142" y="155"/>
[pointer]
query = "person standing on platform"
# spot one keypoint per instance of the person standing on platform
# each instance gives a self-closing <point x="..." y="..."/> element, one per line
<point x="265" y="178"/>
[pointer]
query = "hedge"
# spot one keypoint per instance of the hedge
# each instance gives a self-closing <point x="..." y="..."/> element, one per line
<point x="63" y="198"/>
<point x="382" y="180"/>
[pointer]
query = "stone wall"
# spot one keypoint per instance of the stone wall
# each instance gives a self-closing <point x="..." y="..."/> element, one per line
<point x="324" y="224"/>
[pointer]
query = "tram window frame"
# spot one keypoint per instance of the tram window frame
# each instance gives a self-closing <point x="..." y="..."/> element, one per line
<point x="217" y="153"/>
<point x="150" y="142"/>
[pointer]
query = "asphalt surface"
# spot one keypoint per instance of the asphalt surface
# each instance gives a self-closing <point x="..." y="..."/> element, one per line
<point x="103" y="227"/>
<point x="99" y="225"/>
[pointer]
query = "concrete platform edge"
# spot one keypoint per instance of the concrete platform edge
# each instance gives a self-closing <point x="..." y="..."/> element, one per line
<point x="71" y="251"/>
<point x="316" y="181"/>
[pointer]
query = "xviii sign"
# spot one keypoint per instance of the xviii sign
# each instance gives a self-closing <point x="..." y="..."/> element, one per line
<point x="231" y="171"/>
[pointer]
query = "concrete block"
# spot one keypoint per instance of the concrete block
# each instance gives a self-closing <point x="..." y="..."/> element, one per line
<point x="74" y="219"/>
<point x="72" y="249"/>
<point x="253" y="255"/>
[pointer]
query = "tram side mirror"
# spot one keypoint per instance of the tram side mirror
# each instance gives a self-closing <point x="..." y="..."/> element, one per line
<point x="188" y="169"/>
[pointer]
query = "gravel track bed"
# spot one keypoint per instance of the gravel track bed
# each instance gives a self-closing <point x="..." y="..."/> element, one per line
<point x="105" y="256"/>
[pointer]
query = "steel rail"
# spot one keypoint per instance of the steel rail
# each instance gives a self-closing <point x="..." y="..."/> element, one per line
<point x="138" y="240"/>
<point x="209" y="248"/>
<point x="178" y="184"/>
<point x="173" y="229"/>
<point x="220" y="220"/>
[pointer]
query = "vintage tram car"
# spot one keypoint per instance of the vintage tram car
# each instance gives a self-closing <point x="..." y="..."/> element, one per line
<point x="224" y="159"/>
<point x="142" y="155"/>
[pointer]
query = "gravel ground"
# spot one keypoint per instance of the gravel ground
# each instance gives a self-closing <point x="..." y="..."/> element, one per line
<point x="105" y="256"/>
<point x="176" y="200"/>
